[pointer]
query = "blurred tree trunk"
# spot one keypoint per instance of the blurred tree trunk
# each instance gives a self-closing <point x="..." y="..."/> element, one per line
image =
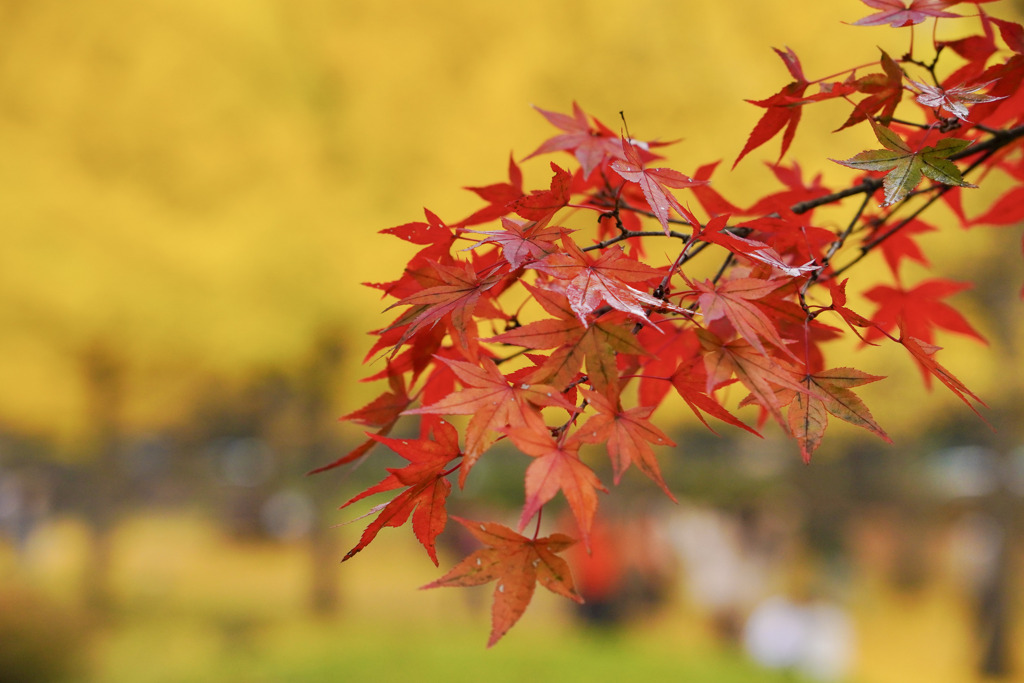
<point x="320" y="445"/>
<point x="993" y="598"/>
<point x="993" y="614"/>
<point x="102" y="372"/>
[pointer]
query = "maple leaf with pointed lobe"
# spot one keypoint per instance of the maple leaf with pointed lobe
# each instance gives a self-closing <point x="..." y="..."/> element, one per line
<point x="797" y="190"/>
<point x="714" y="231"/>
<point x="591" y="145"/>
<point x="905" y="167"/>
<point x="434" y="234"/>
<point x="382" y="412"/>
<point x="522" y="243"/>
<point x="604" y="280"/>
<point x="783" y="110"/>
<point x="829" y="391"/>
<point x="416" y="355"/>
<point x="556" y="467"/>
<point x="494" y="404"/>
<point x="498" y="197"/>
<point x="540" y="205"/>
<point x="919" y="311"/>
<point x="1007" y="210"/>
<point x="675" y="361"/>
<point x="517" y="563"/>
<point x="594" y="344"/>
<point x="884" y="93"/>
<point x="853" y="320"/>
<point x="733" y="300"/>
<point x="709" y="198"/>
<point x="455" y="299"/>
<point x="1012" y="34"/>
<point x="955" y="99"/>
<point x="924" y="354"/>
<point x="655" y="184"/>
<point x="667" y="344"/>
<point x="898" y="14"/>
<point x="426" y="492"/>
<point x="901" y="245"/>
<point x="690" y="381"/>
<point x="628" y="435"/>
<point x="761" y="374"/>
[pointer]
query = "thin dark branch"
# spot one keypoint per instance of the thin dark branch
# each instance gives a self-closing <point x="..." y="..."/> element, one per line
<point x="833" y="248"/>
<point x="629" y="234"/>
<point x="867" y="187"/>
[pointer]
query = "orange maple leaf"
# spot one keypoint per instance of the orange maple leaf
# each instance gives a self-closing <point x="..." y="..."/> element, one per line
<point x="655" y="184"/>
<point x="427" y="490"/>
<point x="628" y="436"/>
<point x="762" y="374"/>
<point x="556" y="467"/>
<point x="604" y="280"/>
<point x="829" y="391"/>
<point x="517" y="563"/>
<point x="494" y="403"/>
<point x="733" y="300"/>
<point x="574" y="342"/>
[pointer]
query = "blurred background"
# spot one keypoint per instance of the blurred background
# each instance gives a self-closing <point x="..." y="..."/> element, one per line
<point x="190" y="194"/>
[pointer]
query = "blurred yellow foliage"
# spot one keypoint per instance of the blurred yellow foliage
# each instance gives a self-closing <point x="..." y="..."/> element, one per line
<point x="197" y="186"/>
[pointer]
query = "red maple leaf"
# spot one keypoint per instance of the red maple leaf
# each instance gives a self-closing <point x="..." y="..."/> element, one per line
<point x="919" y="311"/>
<point x="594" y="344"/>
<point x="382" y="412"/>
<point x="924" y="354"/>
<point x="454" y="299"/>
<point x="494" y="404"/>
<point x="733" y="300"/>
<point x="434" y="234"/>
<point x="522" y="243"/>
<point x="797" y="190"/>
<point x="426" y="492"/>
<point x="783" y="110"/>
<point x="898" y="14"/>
<point x="756" y="250"/>
<point x="604" y="280"/>
<point x="901" y="244"/>
<point x="556" y="467"/>
<point x="690" y="380"/>
<point x="498" y="197"/>
<point x="852" y="319"/>
<point x="1012" y="33"/>
<point x="709" y="198"/>
<point x="591" y="145"/>
<point x="761" y="374"/>
<point x="654" y="182"/>
<point x="517" y="563"/>
<point x="540" y="205"/>
<point x="1007" y="210"/>
<point x="628" y="436"/>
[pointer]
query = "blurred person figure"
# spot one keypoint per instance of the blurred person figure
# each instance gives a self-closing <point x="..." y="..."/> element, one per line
<point x="728" y="562"/>
<point x="814" y="639"/>
<point x="24" y="503"/>
<point x="599" y="576"/>
<point x="979" y="554"/>
<point x="627" y="572"/>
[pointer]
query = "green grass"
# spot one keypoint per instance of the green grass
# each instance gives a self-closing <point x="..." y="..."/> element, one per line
<point x="194" y="607"/>
<point x="311" y="651"/>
